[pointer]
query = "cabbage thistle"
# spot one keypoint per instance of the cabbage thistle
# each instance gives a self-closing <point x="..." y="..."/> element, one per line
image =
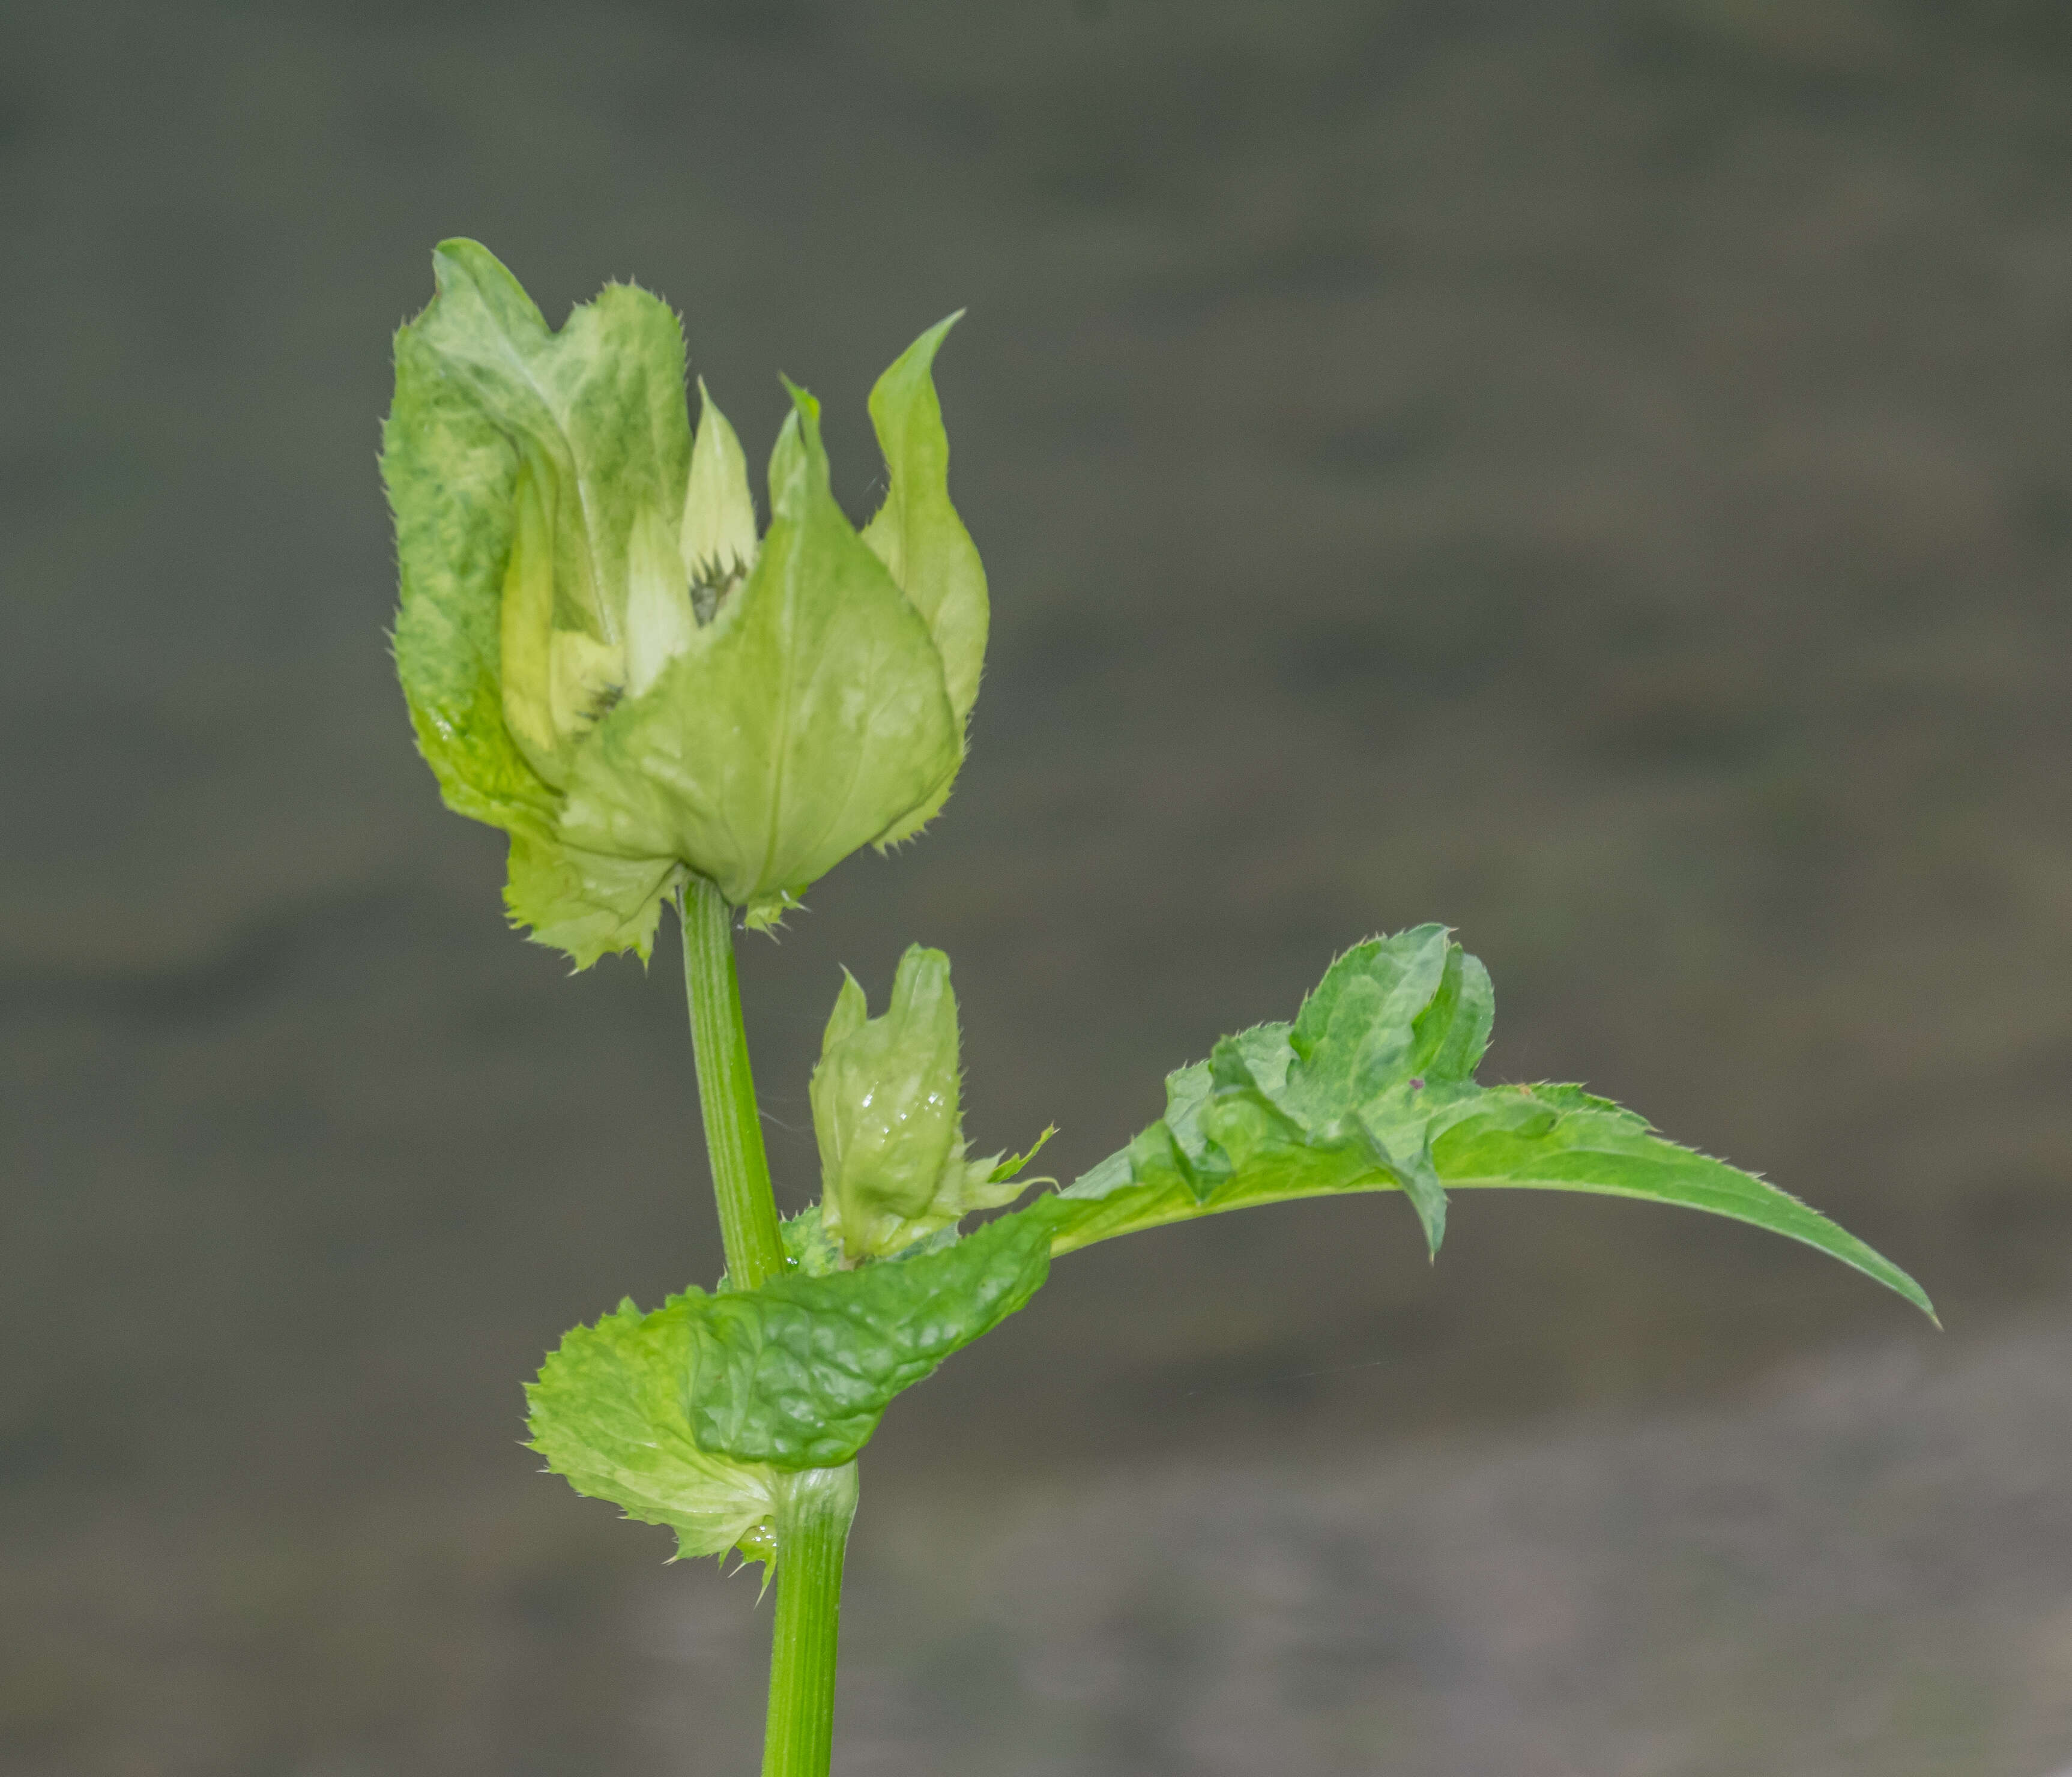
<point x="602" y="657"/>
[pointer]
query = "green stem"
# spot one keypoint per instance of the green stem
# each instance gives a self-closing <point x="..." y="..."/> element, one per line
<point x="726" y="1089"/>
<point x="814" y="1508"/>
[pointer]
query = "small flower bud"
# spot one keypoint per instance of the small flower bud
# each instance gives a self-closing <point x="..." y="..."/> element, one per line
<point x="887" y="1115"/>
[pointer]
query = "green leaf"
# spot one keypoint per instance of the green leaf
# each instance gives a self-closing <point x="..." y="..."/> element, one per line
<point x="1372" y="1088"/>
<point x="798" y="1373"/>
<point x="611" y="1413"/>
<point x="1551" y="1137"/>
<point x="808" y="718"/>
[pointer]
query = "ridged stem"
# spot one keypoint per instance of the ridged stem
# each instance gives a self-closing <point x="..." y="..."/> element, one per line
<point x="726" y="1089"/>
<point x="815" y="1508"/>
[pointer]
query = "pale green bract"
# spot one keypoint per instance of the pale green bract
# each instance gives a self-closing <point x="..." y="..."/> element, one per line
<point x="887" y="1115"/>
<point x="611" y="1414"/>
<point x="601" y="657"/>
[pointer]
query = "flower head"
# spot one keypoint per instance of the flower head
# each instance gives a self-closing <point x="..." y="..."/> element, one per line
<point x="604" y="658"/>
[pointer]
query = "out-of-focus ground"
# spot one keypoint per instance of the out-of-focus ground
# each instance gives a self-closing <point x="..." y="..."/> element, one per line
<point x="1598" y="476"/>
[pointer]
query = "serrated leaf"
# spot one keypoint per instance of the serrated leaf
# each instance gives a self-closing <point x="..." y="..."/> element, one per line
<point x="1353" y="1039"/>
<point x="1553" y="1137"/>
<point x="798" y="1373"/>
<point x="611" y="1413"/>
<point x="1371" y="1088"/>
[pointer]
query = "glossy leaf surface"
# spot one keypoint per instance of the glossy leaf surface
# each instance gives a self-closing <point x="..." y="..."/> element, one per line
<point x="798" y="1373"/>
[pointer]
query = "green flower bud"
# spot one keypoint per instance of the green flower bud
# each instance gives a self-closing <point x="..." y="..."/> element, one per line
<point x="886" y="1112"/>
<point x="601" y="655"/>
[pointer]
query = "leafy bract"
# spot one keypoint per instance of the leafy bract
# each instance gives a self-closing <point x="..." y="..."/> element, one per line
<point x="797" y="1374"/>
<point x="809" y="717"/>
<point x="923" y="542"/>
<point x="719" y="541"/>
<point x="887" y="1117"/>
<point x="454" y="462"/>
<point x="1372" y="1088"/>
<point x="602" y="658"/>
<point x="611" y="1414"/>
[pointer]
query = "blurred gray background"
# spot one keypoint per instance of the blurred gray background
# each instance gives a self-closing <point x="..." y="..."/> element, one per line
<point x="1595" y="474"/>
